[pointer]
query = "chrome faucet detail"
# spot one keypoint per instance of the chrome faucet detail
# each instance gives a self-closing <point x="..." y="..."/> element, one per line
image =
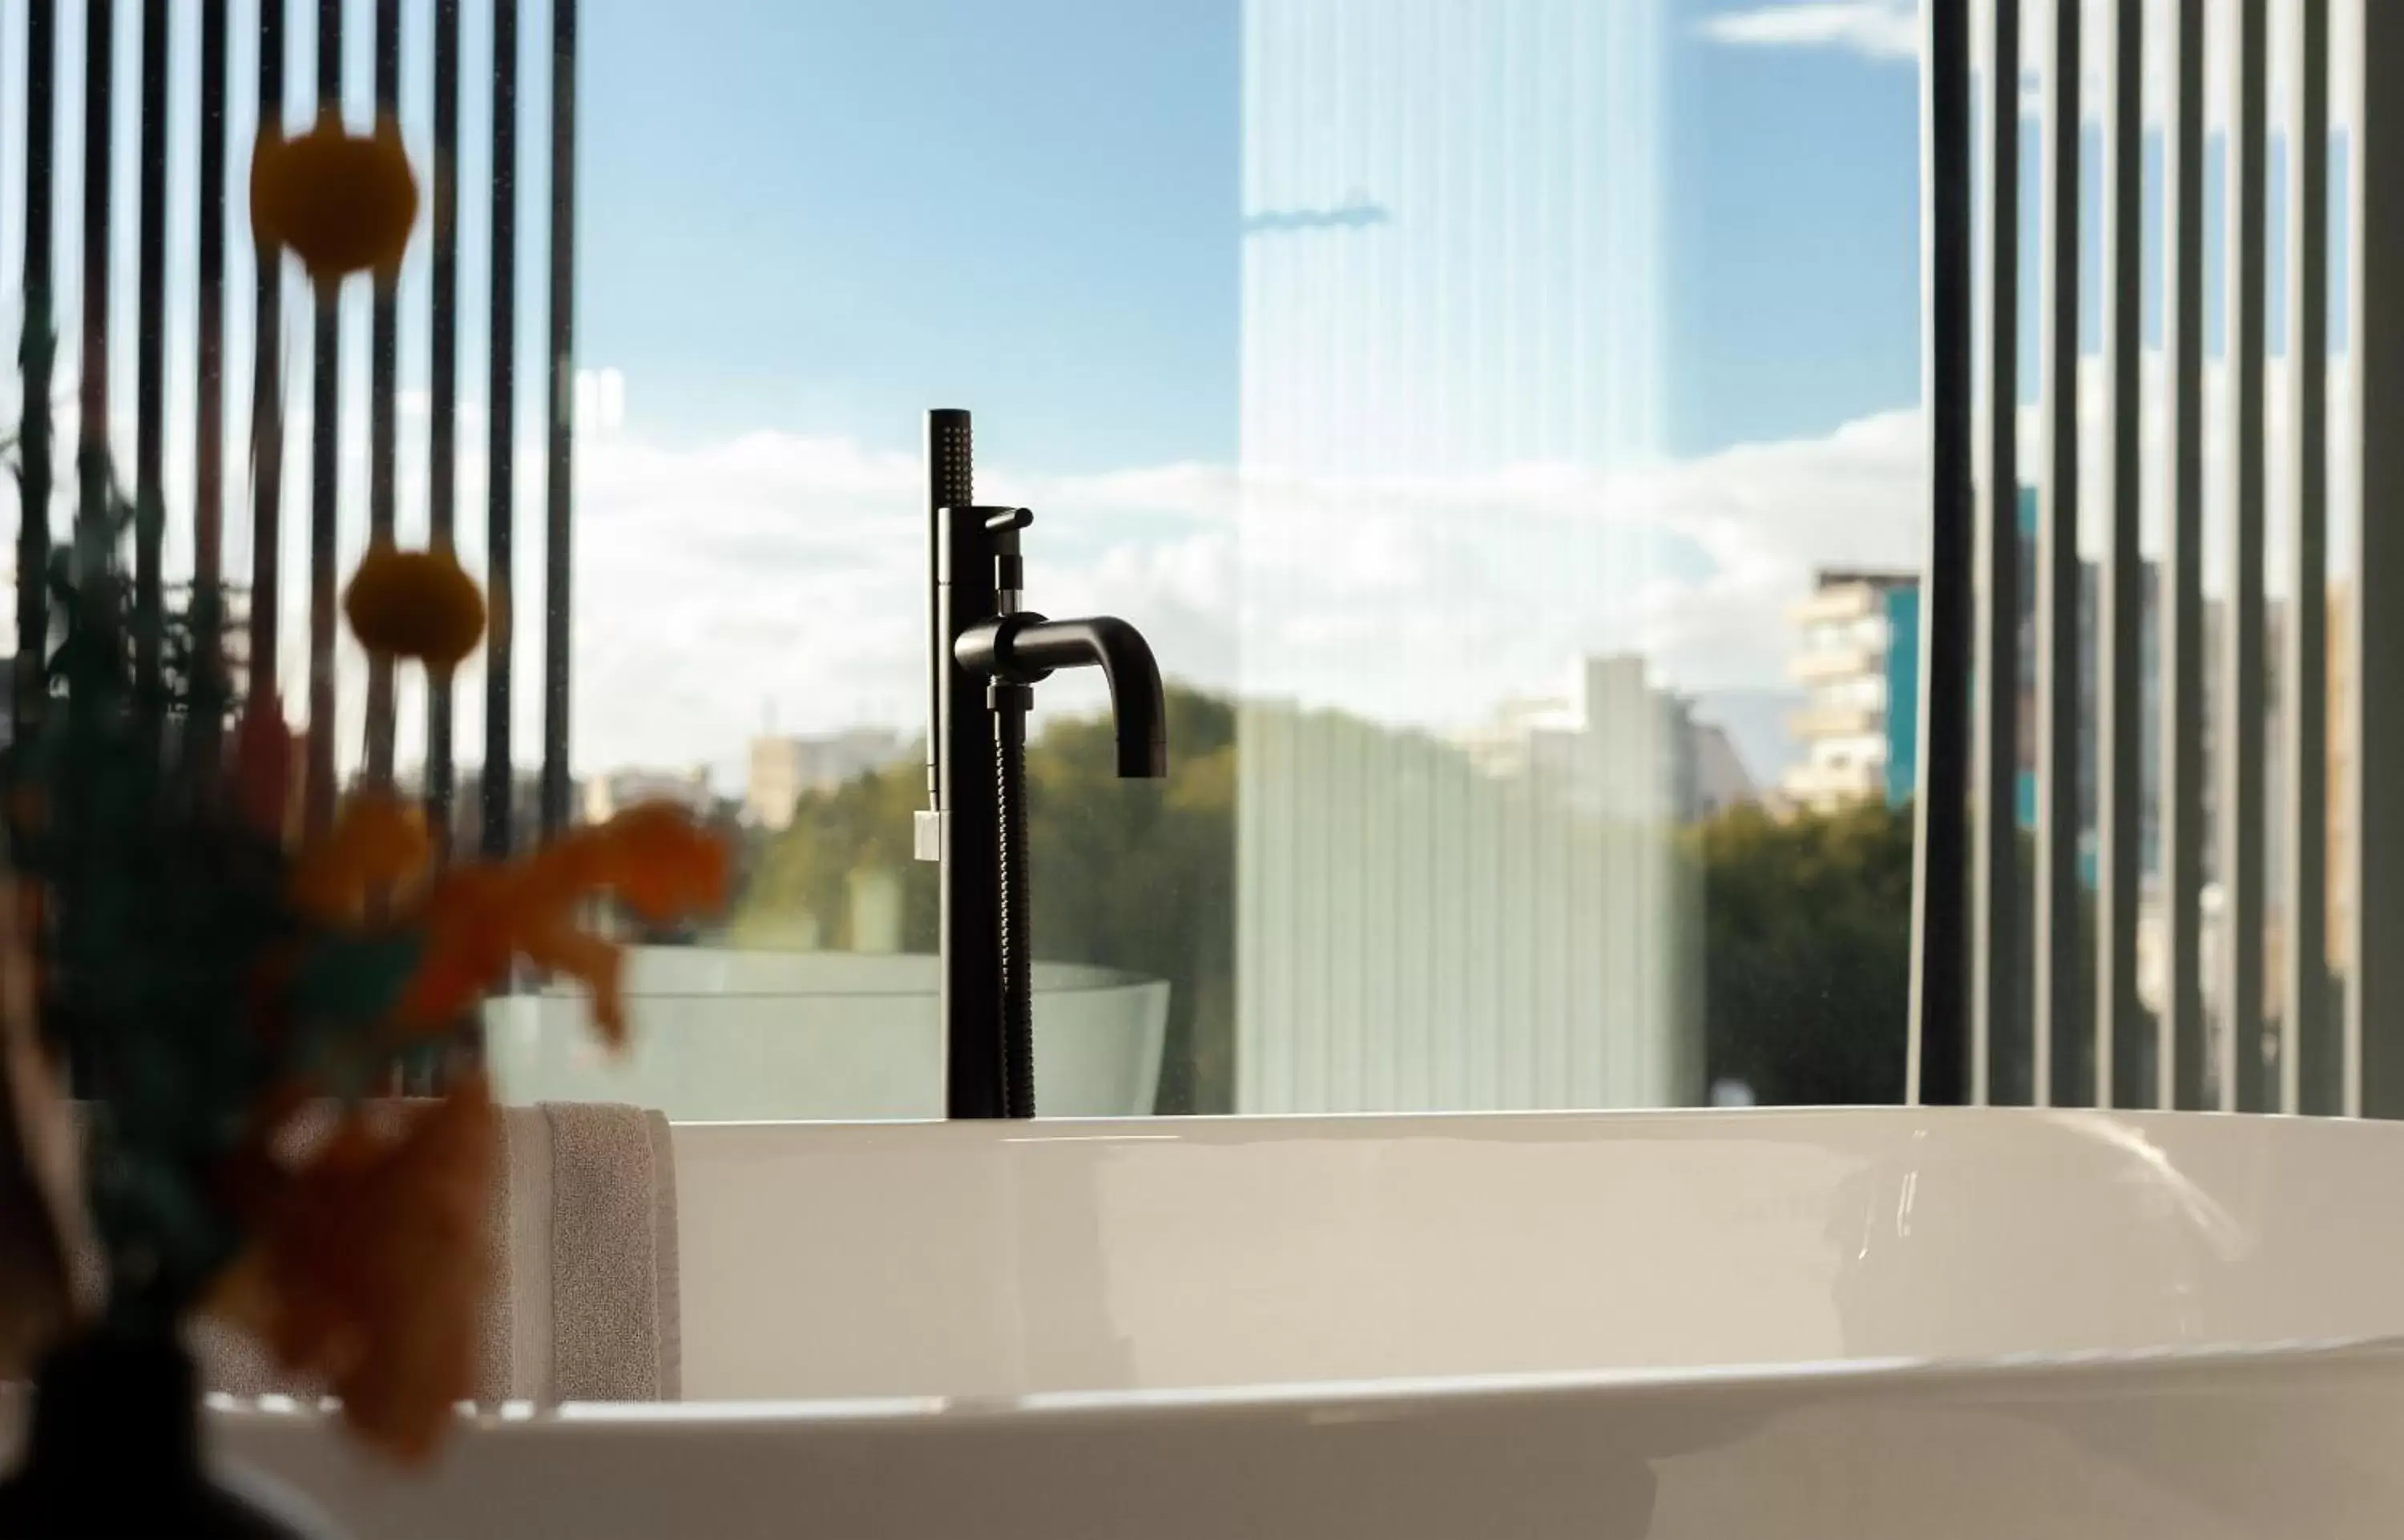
<point x="985" y="654"/>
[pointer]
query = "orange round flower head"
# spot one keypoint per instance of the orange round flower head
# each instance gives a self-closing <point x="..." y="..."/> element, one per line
<point x="344" y="202"/>
<point x="414" y="604"/>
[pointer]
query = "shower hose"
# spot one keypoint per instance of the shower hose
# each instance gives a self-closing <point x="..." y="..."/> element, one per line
<point x="1010" y="704"/>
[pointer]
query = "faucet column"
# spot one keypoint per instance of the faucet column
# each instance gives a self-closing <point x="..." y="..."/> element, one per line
<point x="960" y="835"/>
<point x="985" y="655"/>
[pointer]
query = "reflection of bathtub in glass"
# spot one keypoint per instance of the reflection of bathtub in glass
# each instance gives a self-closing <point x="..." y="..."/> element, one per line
<point x="725" y="1035"/>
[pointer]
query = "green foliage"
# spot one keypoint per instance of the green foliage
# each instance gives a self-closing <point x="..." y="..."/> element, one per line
<point x="1132" y="874"/>
<point x="1142" y="875"/>
<point x="1806" y="921"/>
<point x="1807" y="948"/>
<point x="800" y="889"/>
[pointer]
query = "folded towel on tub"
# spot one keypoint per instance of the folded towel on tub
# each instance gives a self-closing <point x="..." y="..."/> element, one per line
<point x="603" y="1227"/>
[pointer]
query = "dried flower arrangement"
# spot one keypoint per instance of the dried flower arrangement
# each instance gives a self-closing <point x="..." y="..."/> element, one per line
<point x="213" y="983"/>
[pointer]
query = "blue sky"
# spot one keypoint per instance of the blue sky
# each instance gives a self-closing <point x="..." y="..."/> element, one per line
<point x="826" y="217"/>
<point x="831" y="216"/>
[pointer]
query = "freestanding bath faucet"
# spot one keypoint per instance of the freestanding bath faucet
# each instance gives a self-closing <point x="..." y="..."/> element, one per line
<point x="985" y="657"/>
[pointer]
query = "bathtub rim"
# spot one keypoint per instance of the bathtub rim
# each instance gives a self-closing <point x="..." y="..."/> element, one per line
<point x="2319" y="1364"/>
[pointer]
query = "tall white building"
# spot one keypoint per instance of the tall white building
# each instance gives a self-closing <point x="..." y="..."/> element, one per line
<point x="610" y="794"/>
<point x="1857" y="660"/>
<point x="1451" y="292"/>
<point x="782" y="769"/>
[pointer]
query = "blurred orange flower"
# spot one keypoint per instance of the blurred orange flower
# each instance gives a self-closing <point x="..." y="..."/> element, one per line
<point x="366" y="1267"/>
<point x="652" y="858"/>
<point x="344" y="202"/>
<point x="414" y="604"/>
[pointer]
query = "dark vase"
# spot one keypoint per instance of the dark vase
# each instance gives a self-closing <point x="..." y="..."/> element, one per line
<point x="113" y="1452"/>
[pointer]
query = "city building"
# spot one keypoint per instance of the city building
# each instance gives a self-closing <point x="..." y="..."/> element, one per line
<point x="1858" y="661"/>
<point x="784" y="768"/>
<point x="1858" y="656"/>
<point x="1720" y="777"/>
<point x="1859" y="665"/>
<point x="1562" y="740"/>
<point x="607" y="796"/>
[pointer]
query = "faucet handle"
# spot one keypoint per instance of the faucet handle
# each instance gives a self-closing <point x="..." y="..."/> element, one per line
<point x="1008" y="571"/>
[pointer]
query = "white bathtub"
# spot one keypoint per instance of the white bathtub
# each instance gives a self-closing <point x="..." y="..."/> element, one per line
<point x="1867" y="1324"/>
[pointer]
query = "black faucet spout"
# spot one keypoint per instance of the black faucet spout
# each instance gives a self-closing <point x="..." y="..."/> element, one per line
<point x="1021" y="649"/>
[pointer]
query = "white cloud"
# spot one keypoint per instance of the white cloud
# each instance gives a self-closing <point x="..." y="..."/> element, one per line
<point x="1890" y="30"/>
<point x="1433" y="600"/>
<point x="789" y="570"/>
<point x="1876" y="29"/>
<point x="786" y="570"/>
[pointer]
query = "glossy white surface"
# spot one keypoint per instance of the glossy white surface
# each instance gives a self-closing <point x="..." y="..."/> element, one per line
<point x="1857" y="1324"/>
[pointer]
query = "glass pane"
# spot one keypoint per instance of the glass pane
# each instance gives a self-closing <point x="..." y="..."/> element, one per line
<point x="1499" y="417"/>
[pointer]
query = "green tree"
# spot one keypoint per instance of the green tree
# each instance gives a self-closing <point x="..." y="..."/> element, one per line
<point x="1133" y="875"/>
<point x="1142" y="875"/>
<point x="799" y="887"/>
<point x="1807" y="952"/>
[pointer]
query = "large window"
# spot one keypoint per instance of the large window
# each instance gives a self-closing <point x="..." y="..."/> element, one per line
<point x="1465" y="398"/>
<point x="1501" y="417"/>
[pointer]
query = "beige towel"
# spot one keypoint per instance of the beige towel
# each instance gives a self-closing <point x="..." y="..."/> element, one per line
<point x="614" y="1327"/>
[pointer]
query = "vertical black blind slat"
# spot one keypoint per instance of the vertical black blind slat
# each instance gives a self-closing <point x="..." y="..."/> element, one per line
<point x="2000" y="1065"/>
<point x="2183" y="1037"/>
<point x="325" y="436"/>
<point x="2310" y="1078"/>
<point x="208" y="400"/>
<point x="499" y="773"/>
<point x="442" y="389"/>
<point x="1939" y="1024"/>
<point x="91" y="440"/>
<point x="150" y="348"/>
<point x="384" y="354"/>
<point x="559" y="510"/>
<point x="267" y="399"/>
<point x="2055" y="936"/>
<point x="2374" y="652"/>
<point x="2243" y="823"/>
<point x="2120" y="1050"/>
<point x="38" y="357"/>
